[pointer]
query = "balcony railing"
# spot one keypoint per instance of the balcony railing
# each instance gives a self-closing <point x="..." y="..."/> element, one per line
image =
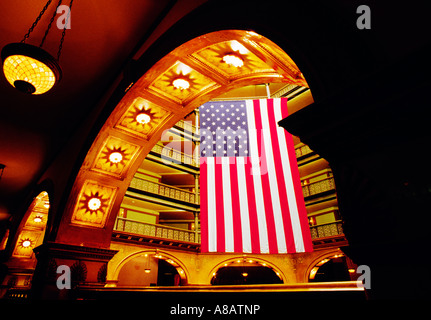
<point x="302" y="150"/>
<point x="325" y="230"/>
<point x="315" y="188"/>
<point x="170" y="154"/>
<point x="187" y="126"/>
<point x="164" y="190"/>
<point x="156" y="231"/>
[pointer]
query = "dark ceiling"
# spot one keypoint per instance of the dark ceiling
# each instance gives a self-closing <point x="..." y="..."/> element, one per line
<point x="103" y="36"/>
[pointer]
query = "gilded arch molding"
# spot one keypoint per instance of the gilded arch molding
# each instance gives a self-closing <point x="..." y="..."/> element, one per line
<point x="103" y="179"/>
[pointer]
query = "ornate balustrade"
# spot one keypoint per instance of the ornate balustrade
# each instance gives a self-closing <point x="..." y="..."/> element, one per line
<point x="155" y="231"/>
<point x="164" y="190"/>
<point x="186" y="126"/>
<point x="302" y="150"/>
<point x="325" y="230"/>
<point x="175" y="156"/>
<point x="317" y="187"/>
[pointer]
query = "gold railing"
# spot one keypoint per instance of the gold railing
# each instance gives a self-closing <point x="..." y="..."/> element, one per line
<point x="164" y="190"/>
<point x="302" y="150"/>
<point x="324" y="230"/>
<point x="175" y="155"/>
<point x="186" y="126"/>
<point x="156" y="230"/>
<point x="317" y="187"/>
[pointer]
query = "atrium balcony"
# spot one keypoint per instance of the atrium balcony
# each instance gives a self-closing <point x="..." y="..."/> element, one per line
<point x="140" y="232"/>
<point x="159" y="192"/>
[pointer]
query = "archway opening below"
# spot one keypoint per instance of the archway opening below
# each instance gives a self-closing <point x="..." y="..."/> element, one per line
<point x="245" y="275"/>
<point x="333" y="269"/>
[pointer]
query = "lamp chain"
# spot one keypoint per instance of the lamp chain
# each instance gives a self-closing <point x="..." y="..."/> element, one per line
<point x="36" y="21"/>
<point x="50" y="24"/>
<point x="63" y="34"/>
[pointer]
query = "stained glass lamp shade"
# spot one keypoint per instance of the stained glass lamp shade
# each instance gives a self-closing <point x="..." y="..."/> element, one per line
<point x="29" y="69"/>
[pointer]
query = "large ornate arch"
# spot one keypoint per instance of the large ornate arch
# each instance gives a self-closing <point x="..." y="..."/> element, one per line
<point x="101" y="183"/>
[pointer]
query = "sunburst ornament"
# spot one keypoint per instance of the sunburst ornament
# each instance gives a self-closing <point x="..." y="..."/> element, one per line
<point x="181" y="83"/>
<point x="92" y="207"/>
<point x="233" y="60"/>
<point x="143" y="116"/>
<point x="38" y="219"/>
<point x="114" y="156"/>
<point x="93" y="204"/>
<point x="26" y="243"/>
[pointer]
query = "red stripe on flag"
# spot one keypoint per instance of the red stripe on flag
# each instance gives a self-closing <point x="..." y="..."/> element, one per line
<point x="203" y="204"/>
<point x="285" y="212"/>
<point x="236" y="214"/>
<point x="306" y="237"/>
<point x="272" y="239"/>
<point x="219" y="204"/>
<point x="254" y="229"/>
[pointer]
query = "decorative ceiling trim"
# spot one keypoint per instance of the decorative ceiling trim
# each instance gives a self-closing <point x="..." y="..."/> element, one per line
<point x="129" y="123"/>
<point x="115" y="156"/>
<point x="94" y="204"/>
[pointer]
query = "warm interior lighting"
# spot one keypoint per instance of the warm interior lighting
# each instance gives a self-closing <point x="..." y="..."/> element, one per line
<point x="233" y="60"/>
<point x="147" y="270"/>
<point x="322" y="262"/>
<point x="181" y="83"/>
<point x="238" y="47"/>
<point x="37" y="219"/>
<point x="26" y="243"/>
<point x="244" y="274"/>
<point x="115" y="157"/>
<point x="313" y="273"/>
<point x="351" y="270"/>
<point x="143" y="118"/>
<point x="94" y="204"/>
<point x="29" y="69"/>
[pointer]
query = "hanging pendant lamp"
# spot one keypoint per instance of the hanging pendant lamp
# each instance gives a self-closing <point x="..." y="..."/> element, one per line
<point x="30" y="69"/>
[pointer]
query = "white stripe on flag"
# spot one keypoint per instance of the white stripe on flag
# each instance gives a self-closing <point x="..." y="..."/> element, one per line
<point x="212" y="221"/>
<point x="291" y="197"/>
<point x="257" y="183"/>
<point x="273" y="183"/>
<point x="243" y="205"/>
<point x="227" y="205"/>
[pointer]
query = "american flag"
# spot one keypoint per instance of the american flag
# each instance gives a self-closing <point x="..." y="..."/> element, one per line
<point x="251" y="195"/>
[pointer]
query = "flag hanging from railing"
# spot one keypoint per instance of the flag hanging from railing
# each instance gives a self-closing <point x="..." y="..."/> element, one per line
<point x="250" y="191"/>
